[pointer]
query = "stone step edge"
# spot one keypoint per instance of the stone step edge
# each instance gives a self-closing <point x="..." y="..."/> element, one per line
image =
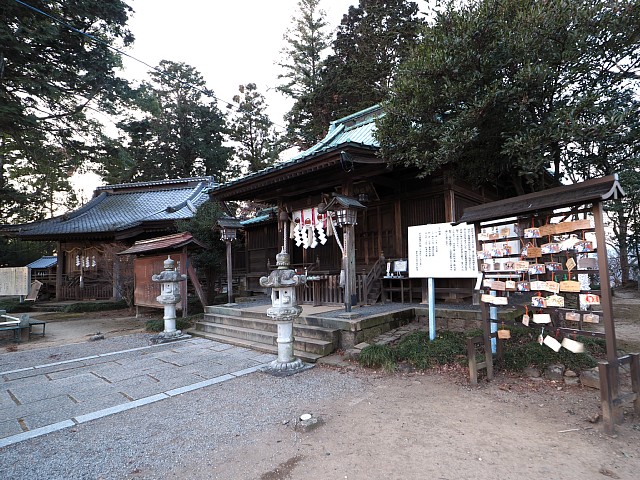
<point x="260" y="347"/>
<point x="300" y="338"/>
<point x="264" y="321"/>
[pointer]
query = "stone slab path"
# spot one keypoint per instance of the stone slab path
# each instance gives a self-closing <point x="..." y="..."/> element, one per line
<point x="40" y="399"/>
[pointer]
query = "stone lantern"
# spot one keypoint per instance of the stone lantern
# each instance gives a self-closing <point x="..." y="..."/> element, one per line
<point x="169" y="280"/>
<point x="284" y="310"/>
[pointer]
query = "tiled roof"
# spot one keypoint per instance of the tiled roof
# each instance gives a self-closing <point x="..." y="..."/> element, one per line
<point x="261" y="216"/>
<point x="177" y="240"/>
<point x="116" y="208"/>
<point x="355" y="130"/>
<point x="44" y="262"/>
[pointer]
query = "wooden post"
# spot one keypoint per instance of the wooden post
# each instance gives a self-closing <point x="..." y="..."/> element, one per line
<point x="398" y="233"/>
<point x="607" y="313"/>
<point x="229" y="274"/>
<point x="59" y="269"/>
<point x="349" y="265"/>
<point x="635" y="380"/>
<point x="473" y="364"/>
<point x="605" y="370"/>
<point x="605" y="288"/>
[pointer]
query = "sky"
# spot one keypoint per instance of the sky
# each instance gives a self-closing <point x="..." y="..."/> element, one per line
<point x="229" y="42"/>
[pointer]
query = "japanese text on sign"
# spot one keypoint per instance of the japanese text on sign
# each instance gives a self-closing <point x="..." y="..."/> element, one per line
<point x="442" y="250"/>
<point x="14" y="281"/>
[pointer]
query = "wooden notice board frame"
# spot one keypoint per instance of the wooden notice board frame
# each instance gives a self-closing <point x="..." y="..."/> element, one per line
<point x="546" y="210"/>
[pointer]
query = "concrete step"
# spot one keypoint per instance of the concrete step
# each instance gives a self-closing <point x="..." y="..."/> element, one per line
<point x="311" y="345"/>
<point x="260" y="347"/>
<point x="268" y="325"/>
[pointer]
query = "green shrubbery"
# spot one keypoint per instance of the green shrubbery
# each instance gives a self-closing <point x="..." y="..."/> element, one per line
<point x="157" y="324"/>
<point x="94" y="306"/>
<point x="520" y="351"/>
<point x="12" y="305"/>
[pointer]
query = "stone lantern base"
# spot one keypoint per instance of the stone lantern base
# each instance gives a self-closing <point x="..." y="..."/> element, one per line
<point x="166" y="337"/>
<point x="284" y="369"/>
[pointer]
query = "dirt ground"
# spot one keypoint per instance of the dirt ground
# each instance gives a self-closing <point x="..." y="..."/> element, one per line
<point x="65" y="328"/>
<point x="423" y="425"/>
<point x="435" y="426"/>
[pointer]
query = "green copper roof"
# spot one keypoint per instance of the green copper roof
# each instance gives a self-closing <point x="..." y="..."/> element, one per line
<point x="354" y="130"/>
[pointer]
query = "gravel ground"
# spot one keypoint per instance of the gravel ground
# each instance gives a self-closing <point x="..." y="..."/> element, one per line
<point x="153" y="440"/>
<point x="42" y="356"/>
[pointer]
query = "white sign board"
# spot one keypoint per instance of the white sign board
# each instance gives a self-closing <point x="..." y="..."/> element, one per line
<point x="14" y="281"/>
<point x="442" y="250"/>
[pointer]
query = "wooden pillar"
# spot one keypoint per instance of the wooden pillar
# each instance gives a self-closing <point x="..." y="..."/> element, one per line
<point x="229" y="273"/>
<point x="59" y="270"/>
<point x="449" y="205"/>
<point x="379" y="225"/>
<point x="397" y="229"/>
<point x="116" y="293"/>
<point x="605" y="288"/>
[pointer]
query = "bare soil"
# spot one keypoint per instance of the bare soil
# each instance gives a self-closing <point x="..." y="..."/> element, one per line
<point x="65" y="328"/>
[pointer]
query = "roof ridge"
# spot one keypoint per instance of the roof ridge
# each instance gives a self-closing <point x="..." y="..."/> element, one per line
<point x="169" y="181"/>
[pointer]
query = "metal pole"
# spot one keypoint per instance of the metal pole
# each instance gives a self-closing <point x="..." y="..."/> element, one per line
<point x="432" y="308"/>
<point x="493" y="315"/>
<point x="229" y="274"/>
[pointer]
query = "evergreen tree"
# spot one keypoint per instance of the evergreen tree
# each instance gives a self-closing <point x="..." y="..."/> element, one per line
<point x="505" y="91"/>
<point x="306" y="42"/>
<point x="50" y="76"/>
<point x="371" y="41"/>
<point x="258" y="142"/>
<point x="203" y="227"/>
<point x="178" y="135"/>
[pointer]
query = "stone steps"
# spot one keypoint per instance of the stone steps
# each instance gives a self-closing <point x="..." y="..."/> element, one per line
<point x="257" y="331"/>
<point x="260" y="347"/>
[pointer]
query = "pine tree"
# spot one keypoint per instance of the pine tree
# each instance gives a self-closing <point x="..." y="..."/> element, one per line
<point x="175" y="133"/>
<point x="306" y="41"/>
<point x="258" y="142"/>
<point x="371" y="42"/>
<point x="50" y="76"/>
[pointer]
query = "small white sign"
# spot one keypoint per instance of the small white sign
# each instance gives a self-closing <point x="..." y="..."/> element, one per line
<point x="442" y="250"/>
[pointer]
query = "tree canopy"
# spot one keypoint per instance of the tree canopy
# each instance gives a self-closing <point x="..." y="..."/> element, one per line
<point x="501" y="90"/>
<point x="173" y="133"/>
<point x="258" y="143"/>
<point x="371" y="41"/>
<point x="306" y="42"/>
<point x="50" y="77"/>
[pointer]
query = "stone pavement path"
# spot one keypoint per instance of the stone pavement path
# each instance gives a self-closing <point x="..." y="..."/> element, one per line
<point x="39" y="399"/>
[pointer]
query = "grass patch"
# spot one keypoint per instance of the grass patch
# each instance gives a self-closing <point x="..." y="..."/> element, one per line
<point x="449" y="348"/>
<point x="94" y="306"/>
<point x="523" y="350"/>
<point x="378" y="356"/>
<point x="157" y="324"/>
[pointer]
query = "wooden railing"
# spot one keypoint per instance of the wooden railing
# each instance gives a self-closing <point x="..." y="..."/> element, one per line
<point x="325" y="289"/>
<point x="90" y="291"/>
<point x="370" y="278"/>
